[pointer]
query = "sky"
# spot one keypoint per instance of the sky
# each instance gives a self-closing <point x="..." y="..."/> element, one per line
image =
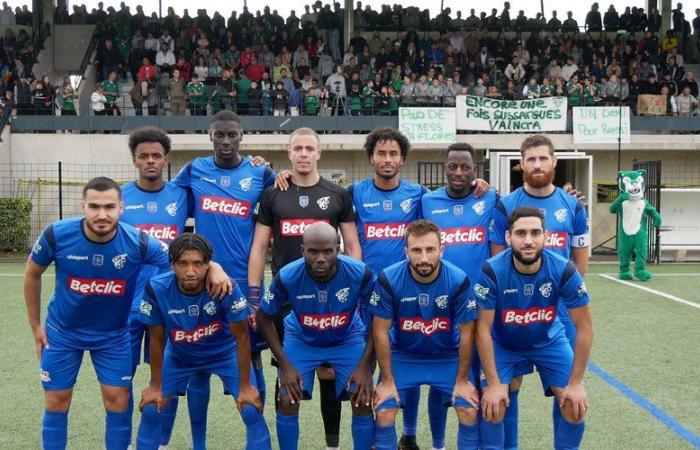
<point x="531" y="7"/>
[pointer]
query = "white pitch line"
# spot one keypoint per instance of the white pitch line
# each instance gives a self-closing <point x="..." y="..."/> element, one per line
<point x="652" y="291"/>
<point x="21" y="275"/>
<point x="662" y="274"/>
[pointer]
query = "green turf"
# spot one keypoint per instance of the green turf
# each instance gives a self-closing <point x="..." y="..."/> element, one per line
<point x="647" y="342"/>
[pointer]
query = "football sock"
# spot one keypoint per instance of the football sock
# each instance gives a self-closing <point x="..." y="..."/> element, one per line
<point x="257" y="433"/>
<point x="437" y="415"/>
<point x="385" y="437"/>
<point x="148" y="434"/>
<point x="362" y="432"/>
<point x="467" y="437"/>
<point x="167" y="420"/>
<point x="198" y="391"/>
<point x="117" y="430"/>
<point x="510" y="422"/>
<point x="491" y="435"/>
<point x="54" y="430"/>
<point x="410" y="402"/>
<point x="556" y="415"/>
<point x="287" y="432"/>
<point x="330" y="412"/>
<point x="568" y="435"/>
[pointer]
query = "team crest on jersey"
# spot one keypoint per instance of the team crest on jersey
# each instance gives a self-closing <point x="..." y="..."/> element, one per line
<point x="343" y="294"/>
<point x="423" y="299"/>
<point x="322" y="296"/>
<point x="479" y="207"/>
<point x="528" y="290"/>
<point x="171" y="209"/>
<point x="119" y="261"/>
<point x="441" y="301"/>
<point x="324" y="202"/>
<point x="269" y="296"/>
<point x="387" y="205"/>
<point x="245" y="183"/>
<point x="560" y="214"/>
<point x="374" y="299"/>
<point x="225" y="181"/>
<point x="582" y="289"/>
<point x="458" y="210"/>
<point x="152" y="207"/>
<point x="145" y="308"/>
<point x="406" y="205"/>
<point x="546" y="289"/>
<point x="303" y="201"/>
<point x="210" y="308"/>
<point x="193" y="310"/>
<point x="98" y="260"/>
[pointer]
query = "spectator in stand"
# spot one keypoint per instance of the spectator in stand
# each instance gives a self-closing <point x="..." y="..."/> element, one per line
<point x="574" y="91"/>
<point x="531" y="89"/>
<point x="651" y="86"/>
<point x="197" y="96"/>
<point x="569" y="68"/>
<point x="176" y="94"/>
<point x="184" y="67"/>
<point x="201" y="69"/>
<point x="254" y="99"/>
<point x="686" y="103"/>
<point x="97" y="101"/>
<point x="612" y="91"/>
<point x="671" y="106"/>
<point x="68" y="97"/>
<point x="215" y="71"/>
<point x="242" y="88"/>
<point x="280" y="99"/>
<point x="689" y="81"/>
<point x="670" y="83"/>
<point x="226" y="90"/>
<point x="593" y="21"/>
<point x="515" y="71"/>
<point x="255" y="70"/>
<point x="111" y="91"/>
<point x="108" y="59"/>
<point x="165" y="59"/>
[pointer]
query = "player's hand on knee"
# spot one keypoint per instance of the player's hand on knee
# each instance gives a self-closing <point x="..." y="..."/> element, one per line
<point x="40" y="340"/>
<point x="493" y="400"/>
<point x="291" y="381"/>
<point x="480" y="186"/>
<point x="362" y="380"/>
<point x="466" y="390"/>
<point x="576" y="394"/>
<point x="282" y="179"/>
<point x="248" y="395"/>
<point x="386" y="390"/>
<point x="151" y="395"/>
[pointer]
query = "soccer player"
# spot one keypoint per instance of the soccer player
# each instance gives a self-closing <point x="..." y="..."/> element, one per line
<point x="159" y="209"/>
<point x="422" y="302"/>
<point x="567" y="234"/>
<point x="519" y="294"/>
<point x="225" y="189"/>
<point x="97" y="263"/>
<point x="329" y="294"/>
<point x="200" y="334"/>
<point x="285" y="215"/>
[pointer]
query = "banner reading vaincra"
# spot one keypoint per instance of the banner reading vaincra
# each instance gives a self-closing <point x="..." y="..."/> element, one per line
<point x="511" y="116"/>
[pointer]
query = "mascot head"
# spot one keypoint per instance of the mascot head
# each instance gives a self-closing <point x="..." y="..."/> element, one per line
<point x="632" y="182"/>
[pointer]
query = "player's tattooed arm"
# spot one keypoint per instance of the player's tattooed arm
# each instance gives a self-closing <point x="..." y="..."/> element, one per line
<point x="156" y="346"/>
<point x="218" y="283"/>
<point x="494" y="398"/>
<point x="463" y="387"/>
<point x="387" y="388"/>
<point x="32" y="297"/>
<point x="361" y="377"/>
<point x="247" y="393"/>
<point x="574" y="391"/>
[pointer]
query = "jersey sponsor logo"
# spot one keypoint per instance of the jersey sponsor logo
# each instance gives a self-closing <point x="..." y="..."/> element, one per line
<point x="458" y="210"/>
<point x="463" y="235"/>
<point x="161" y="232"/>
<point x="324" y="321"/>
<point x="323" y="202"/>
<point x="441" y="301"/>
<point x="387" y="205"/>
<point x="555" y="239"/>
<point x="479" y="207"/>
<point x="145" y="308"/>
<point x="245" y="183"/>
<point x="560" y="215"/>
<point x="196" y="335"/>
<point x="96" y="286"/>
<point x="210" y="308"/>
<point x="303" y="201"/>
<point x="546" y="290"/>
<point x="152" y="207"/>
<point x="225" y="181"/>
<point x="296" y="227"/>
<point x="226" y="206"/>
<point x="406" y="205"/>
<point x="98" y="260"/>
<point x="77" y="258"/>
<point x="130" y="207"/>
<point x="377" y="231"/>
<point x="371" y="205"/>
<point x="529" y="316"/>
<point x="481" y="291"/>
<point x="171" y="209"/>
<point x="343" y="294"/>
<point x="424" y="327"/>
<point x="119" y="261"/>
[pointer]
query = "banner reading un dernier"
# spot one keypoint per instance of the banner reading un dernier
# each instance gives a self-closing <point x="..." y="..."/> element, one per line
<point x="511" y="116"/>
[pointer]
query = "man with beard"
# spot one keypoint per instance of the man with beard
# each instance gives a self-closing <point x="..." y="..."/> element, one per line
<point x="567" y="234"/>
<point x="519" y="293"/>
<point x="422" y="304"/>
<point x="329" y="294"/>
<point x="98" y="260"/>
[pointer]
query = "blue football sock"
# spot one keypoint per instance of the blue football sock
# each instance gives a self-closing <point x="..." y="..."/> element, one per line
<point x="167" y="420"/>
<point x="385" y="437"/>
<point x="492" y="435"/>
<point x="467" y="437"/>
<point x="362" y="432"/>
<point x="568" y="435"/>
<point x="437" y="415"/>
<point x="510" y="422"/>
<point x="287" y="432"/>
<point x="117" y="430"/>
<point x="410" y="403"/>
<point x="259" y="373"/>
<point x="198" y="391"/>
<point x="257" y="433"/>
<point x="148" y="434"/>
<point x="556" y="415"/>
<point x="130" y="404"/>
<point x="54" y="430"/>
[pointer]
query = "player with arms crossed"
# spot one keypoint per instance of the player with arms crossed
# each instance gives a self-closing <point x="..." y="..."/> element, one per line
<point x="328" y="293"/>
<point x="519" y="294"/>
<point x="200" y="332"/>
<point x="423" y="304"/>
<point x="97" y="260"/>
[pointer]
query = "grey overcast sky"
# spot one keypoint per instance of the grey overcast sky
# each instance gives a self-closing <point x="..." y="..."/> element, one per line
<point x="531" y="7"/>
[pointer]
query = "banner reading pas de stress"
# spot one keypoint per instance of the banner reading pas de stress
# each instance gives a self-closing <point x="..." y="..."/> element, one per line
<point x="511" y="116"/>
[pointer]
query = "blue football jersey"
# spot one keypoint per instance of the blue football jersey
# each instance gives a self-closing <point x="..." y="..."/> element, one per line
<point x="464" y="224"/>
<point x="224" y="203"/>
<point x="425" y="317"/>
<point x="526" y="305"/>
<point x="382" y="217"/>
<point x="323" y="314"/>
<point x="196" y="325"/>
<point x="95" y="282"/>
<point x="161" y="214"/>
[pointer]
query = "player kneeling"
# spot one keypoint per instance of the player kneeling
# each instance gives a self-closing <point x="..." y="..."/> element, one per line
<point x="425" y="300"/>
<point x="200" y="334"/>
<point x="329" y="294"/>
<point x="517" y="293"/>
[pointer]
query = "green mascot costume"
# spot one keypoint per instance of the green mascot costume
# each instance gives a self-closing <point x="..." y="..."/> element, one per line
<point x="632" y="235"/>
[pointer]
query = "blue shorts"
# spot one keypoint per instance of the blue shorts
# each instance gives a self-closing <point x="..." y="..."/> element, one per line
<point x="176" y="374"/>
<point x="257" y="342"/>
<point x="139" y="337"/>
<point x="553" y="363"/>
<point x="439" y="373"/>
<point x="526" y="368"/>
<point x="60" y="362"/>
<point x="342" y="358"/>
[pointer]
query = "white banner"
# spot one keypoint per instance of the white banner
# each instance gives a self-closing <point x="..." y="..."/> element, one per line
<point x="428" y="125"/>
<point x="511" y="116"/>
<point x="601" y="125"/>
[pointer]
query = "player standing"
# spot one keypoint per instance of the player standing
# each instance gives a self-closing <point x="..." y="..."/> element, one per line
<point x="328" y="294"/>
<point x="519" y="294"/>
<point x="199" y="331"/>
<point x="423" y="303"/>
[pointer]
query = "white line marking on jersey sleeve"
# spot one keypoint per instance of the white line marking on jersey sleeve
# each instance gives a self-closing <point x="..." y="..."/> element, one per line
<point x="651" y="291"/>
